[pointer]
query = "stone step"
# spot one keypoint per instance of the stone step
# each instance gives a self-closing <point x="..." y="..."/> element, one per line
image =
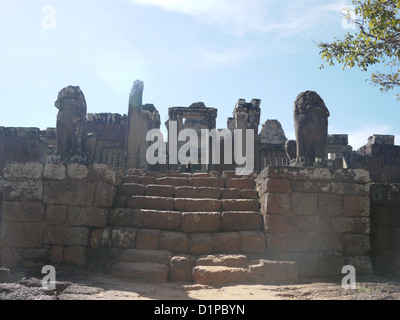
<point x="224" y="260"/>
<point x="270" y="271"/>
<point x="152" y="256"/>
<point x="218" y="275"/>
<point x="142" y="271"/>
<point x="223" y="269"/>
<point x="192" y="181"/>
<point x="189" y="222"/>
<point x="192" y="204"/>
<point x="137" y="189"/>
<point x="151" y="202"/>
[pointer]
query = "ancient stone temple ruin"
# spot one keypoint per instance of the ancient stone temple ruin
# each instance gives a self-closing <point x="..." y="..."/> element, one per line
<point x="84" y="195"/>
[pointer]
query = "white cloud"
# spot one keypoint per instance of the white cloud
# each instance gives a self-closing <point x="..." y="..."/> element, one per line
<point x="240" y="17"/>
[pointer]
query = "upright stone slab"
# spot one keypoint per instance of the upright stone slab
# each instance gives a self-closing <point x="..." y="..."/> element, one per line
<point x="319" y="219"/>
<point x="134" y="123"/>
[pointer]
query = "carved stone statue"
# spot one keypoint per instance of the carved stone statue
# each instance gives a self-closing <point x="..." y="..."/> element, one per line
<point x="71" y="120"/>
<point x="311" y="128"/>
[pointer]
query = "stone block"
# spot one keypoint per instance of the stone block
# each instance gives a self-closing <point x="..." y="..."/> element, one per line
<point x="131" y="179"/>
<point x="21" y="234"/>
<point x="352" y="176"/>
<point x="148" y="239"/>
<point x="311" y="186"/>
<point x="242" y="220"/>
<point x="311" y="223"/>
<point x="357" y="244"/>
<point x="224" y="260"/>
<point x="105" y="173"/>
<point x="132" y="189"/>
<point x="57" y="254"/>
<point x="240" y="183"/>
<point x="11" y="257"/>
<point x="120" y="201"/>
<point x="124" y="238"/>
<point x="173" y="181"/>
<point x="176" y="242"/>
<point x="376" y="139"/>
<point x="207" y="182"/>
<point x="208" y="193"/>
<point x="199" y="205"/>
<point x="121" y="217"/>
<point x="319" y="264"/>
<point x="201" y="222"/>
<point x="74" y="193"/>
<point x="249" y="194"/>
<point x="26" y="171"/>
<point x="160" y="191"/>
<point x="104" y="195"/>
<point x="87" y="217"/>
<point x="309" y="241"/>
<point x="344" y="188"/>
<point x="229" y="174"/>
<point x="95" y="241"/>
<point x="226" y="242"/>
<point x="240" y="205"/>
<point x="147" y="272"/>
<point x="25" y="190"/>
<point x="252" y="242"/>
<point x="278" y="223"/>
<point x="276" y="203"/>
<point x="200" y="243"/>
<point x="356" y="206"/>
<point x="180" y="269"/>
<point x="66" y="236"/>
<point x="230" y="193"/>
<point x="152" y="203"/>
<point x="77" y="171"/>
<point x="153" y="256"/>
<point x="351" y="225"/>
<point x="217" y="275"/>
<point x="56" y="214"/>
<point x="274" y="185"/>
<point x="186" y="192"/>
<point x="147" y="180"/>
<point x="23" y="211"/>
<point x="304" y="203"/>
<point x="75" y="256"/>
<point x="362" y="264"/>
<point x="267" y="271"/>
<point x="55" y="171"/>
<point x="155" y="219"/>
<point x="330" y="205"/>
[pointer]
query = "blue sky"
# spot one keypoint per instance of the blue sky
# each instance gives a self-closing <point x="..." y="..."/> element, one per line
<point x="185" y="51"/>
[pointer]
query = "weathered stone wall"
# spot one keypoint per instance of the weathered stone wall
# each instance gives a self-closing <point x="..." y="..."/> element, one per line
<point x="385" y="229"/>
<point x="381" y="157"/>
<point x="51" y="214"/>
<point x="317" y="218"/>
<point x="110" y="132"/>
<point x="24" y="144"/>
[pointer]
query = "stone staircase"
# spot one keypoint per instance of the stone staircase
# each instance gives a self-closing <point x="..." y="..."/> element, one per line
<point x="191" y="228"/>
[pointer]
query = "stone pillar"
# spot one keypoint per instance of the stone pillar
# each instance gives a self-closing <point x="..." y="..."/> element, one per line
<point x="247" y="116"/>
<point x="134" y="122"/>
